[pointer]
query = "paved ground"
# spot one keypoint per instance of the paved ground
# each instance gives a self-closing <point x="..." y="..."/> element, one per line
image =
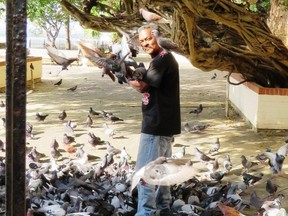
<point x="235" y="135"/>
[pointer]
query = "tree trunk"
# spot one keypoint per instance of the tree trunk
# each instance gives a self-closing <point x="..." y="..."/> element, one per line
<point x="213" y="34"/>
<point x="278" y="21"/>
<point x="68" y="41"/>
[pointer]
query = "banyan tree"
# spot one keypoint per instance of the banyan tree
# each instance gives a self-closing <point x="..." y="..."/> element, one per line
<point x="214" y="34"/>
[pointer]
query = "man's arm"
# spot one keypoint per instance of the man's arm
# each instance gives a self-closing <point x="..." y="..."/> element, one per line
<point x="139" y="85"/>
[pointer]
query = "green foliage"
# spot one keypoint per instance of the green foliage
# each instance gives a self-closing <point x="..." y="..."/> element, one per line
<point x="42" y="12"/>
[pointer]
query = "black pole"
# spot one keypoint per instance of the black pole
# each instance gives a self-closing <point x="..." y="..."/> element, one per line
<point x="16" y="19"/>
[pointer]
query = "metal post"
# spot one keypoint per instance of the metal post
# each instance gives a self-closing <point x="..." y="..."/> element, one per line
<point x="16" y="20"/>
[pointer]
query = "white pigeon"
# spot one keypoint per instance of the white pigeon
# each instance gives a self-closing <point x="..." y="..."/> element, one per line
<point x="54" y="210"/>
<point x="164" y="171"/>
<point x="152" y="17"/>
<point x="179" y="154"/>
<point x="108" y="131"/>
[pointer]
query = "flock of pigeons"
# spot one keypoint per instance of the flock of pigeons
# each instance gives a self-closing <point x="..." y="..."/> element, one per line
<point x="83" y="184"/>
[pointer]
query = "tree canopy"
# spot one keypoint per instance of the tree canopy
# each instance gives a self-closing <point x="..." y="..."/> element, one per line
<point x="214" y="34"/>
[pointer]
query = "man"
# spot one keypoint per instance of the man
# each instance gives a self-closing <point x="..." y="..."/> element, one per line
<point x="161" y="119"/>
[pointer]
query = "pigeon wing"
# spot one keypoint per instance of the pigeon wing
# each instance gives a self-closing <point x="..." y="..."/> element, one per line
<point x="283" y="150"/>
<point x="168" y="173"/>
<point x="57" y="56"/>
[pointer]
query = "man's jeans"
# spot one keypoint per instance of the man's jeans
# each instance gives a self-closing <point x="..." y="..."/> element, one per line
<point x="149" y="200"/>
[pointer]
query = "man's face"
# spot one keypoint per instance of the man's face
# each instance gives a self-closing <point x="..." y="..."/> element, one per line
<point x="148" y="42"/>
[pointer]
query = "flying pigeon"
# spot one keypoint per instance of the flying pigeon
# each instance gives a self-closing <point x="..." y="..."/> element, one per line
<point x="60" y="58"/>
<point x="180" y="154"/>
<point x="164" y="171"/>
<point x="166" y="44"/>
<point x="152" y="17"/>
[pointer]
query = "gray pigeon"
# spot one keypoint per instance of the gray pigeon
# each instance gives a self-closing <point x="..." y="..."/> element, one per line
<point x="2" y="146"/>
<point x="202" y="156"/>
<point x="227" y="164"/>
<point x="166" y="44"/>
<point x="215" y="146"/>
<point x="275" y="162"/>
<point x="62" y="115"/>
<point x="255" y="200"/>
<point x="271" y="188"/>
<point x="89" y="121"/>
<point x="247" y="164"/>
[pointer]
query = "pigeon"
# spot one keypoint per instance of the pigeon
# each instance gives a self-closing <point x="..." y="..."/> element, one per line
<point x="251" y="179"/>
<point x="55" y="153"/>
<point x="94" y="140"/>
<point x="213" y="166"/>
<point x="271" y="188"/>
<point x="93" y="112"/>
<point x="164" y="171"/>
<point x="113" y="118"/>
<point x="274" y="207"/>
<point x="62" y="115"/>
<point x="187" y="127"/>
<point x="152" y="17"/>
<point x="202" y="156"/>
<point x="166" y="44"/>
<point x="214" y="76"/>
<point x="111" y="149"/>
<point x="247" y="164"/>
<point x="54" y="144"/>
<point x="2" y="146"/>
<point x="31" y="66"/>
<point x="72" y="89"/>
<point x="275" y="161"/>
<point x="69" y="128"/>
<point x="218" y="175"/>
<point x="283" y="150"/>
<point x="180" y="154"/>
<point x="58" y="83"/>
<point x="2" y="104"/>
<point x="198" y="110"/>
<point x="29" y="129"/>
<point x="139" y="72"/>
<point x="124" y="155"/>
<point x="199" y="127"/>
<point x="40" y="117"/>
<point x="4" y="122"/>
<point x="215" y="146"/>
<point x="89" y="121"/>
<point x="108" y="131"/>
<point x="255" y="200"/>
<point x="68" y="139"/>
<point x="227" y="164"/>
<point x="60" y="58"/>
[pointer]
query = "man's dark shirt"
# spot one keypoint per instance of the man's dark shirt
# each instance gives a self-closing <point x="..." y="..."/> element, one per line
<point x="161" y="103"/>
